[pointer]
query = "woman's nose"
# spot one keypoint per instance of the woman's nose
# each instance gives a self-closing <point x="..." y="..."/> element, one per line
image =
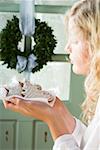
<point x="68" y="48"/>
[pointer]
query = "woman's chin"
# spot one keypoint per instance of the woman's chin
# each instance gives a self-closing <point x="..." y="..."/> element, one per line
<point x="79" y="70"/>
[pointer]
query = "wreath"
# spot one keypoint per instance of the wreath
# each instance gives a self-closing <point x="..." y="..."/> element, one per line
<point x="44" y="39"/>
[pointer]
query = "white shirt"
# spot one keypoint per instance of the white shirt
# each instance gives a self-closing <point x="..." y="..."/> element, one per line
<point x="83" y="138"/>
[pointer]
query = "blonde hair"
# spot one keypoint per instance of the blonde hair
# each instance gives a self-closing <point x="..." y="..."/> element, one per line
<point x="87" y="17"/>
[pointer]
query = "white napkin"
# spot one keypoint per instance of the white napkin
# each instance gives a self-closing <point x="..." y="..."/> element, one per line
<point x="39" y="99"/>
<point x="3" y="93"/>
<point x="28" y="92"/>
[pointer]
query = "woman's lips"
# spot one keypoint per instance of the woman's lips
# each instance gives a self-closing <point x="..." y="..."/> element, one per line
<point x="71" y="61"/>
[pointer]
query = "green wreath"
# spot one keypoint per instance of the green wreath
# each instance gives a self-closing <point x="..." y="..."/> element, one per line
<point x="45" y="43"/>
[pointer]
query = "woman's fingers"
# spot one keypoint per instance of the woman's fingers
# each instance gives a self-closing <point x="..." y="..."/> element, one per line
<point x="5" y="103"/>
<point x="13" y="102"/>
<point x="16" y="105"/>
<point x="10" y="105"/>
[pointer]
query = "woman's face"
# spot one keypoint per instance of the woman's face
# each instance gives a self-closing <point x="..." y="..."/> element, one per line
<point x="78" y="49"/>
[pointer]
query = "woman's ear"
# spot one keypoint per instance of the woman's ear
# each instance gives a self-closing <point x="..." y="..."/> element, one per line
<point x="87" y="52"/>
<point x="90" y="49"/>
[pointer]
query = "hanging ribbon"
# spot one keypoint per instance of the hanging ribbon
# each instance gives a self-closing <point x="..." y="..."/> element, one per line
<point x="25" y="64"/>
<point x="27" y="17"/>
<point x="27" y="27"/>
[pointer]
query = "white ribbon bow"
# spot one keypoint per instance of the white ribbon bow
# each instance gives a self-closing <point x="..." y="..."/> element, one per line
<point x="25" y="64"/>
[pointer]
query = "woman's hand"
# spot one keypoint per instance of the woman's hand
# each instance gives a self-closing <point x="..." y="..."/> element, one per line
<point x="36" y="109"/>
<point x="58" y="118"/>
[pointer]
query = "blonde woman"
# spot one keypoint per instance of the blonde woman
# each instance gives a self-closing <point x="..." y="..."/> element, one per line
<point x="83" y="45"/>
